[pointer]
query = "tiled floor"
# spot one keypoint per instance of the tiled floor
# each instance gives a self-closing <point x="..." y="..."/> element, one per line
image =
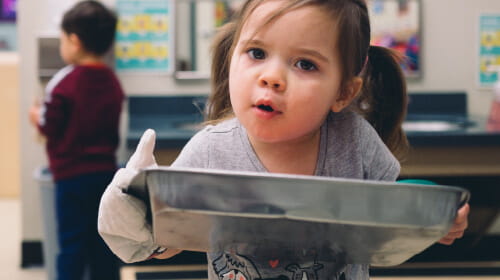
<point x="10" y="232"/>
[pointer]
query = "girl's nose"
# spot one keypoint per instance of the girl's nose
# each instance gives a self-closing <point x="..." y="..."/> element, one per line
<point x="274" y="78"/>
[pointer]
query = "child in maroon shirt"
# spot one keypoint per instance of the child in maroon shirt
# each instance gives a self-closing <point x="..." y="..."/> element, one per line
<point x="80" y="120"/>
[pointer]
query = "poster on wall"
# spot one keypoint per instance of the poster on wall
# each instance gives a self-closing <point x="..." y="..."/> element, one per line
<point x="7" y="10"/>
<point x="489" y="49"/>
<point x="144" y="36"/>
<point x="396" y="25"/>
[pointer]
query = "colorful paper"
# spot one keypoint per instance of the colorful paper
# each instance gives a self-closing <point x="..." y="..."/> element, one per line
<point x="144" y="36"/>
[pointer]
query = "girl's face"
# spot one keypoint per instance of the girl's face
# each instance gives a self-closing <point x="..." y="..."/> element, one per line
<point x="284" y="77"/>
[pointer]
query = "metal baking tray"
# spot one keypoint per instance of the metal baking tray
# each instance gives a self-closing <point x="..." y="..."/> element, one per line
<point x="366" y="222"/>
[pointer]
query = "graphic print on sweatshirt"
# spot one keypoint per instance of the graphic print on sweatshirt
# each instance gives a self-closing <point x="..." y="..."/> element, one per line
<point x="238" y="267"/>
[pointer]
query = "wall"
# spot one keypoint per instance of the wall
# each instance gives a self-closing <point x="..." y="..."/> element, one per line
<point x="450" y="35"/>
<point x="449" y="63"/>
<point x="31" y="152"/>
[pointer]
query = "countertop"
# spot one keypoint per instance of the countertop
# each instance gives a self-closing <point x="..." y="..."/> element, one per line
<point x="476" y="134"/>
<point x="174" y="118"/>
<point x="177" y="119"/>
<point x="174" y="131"/>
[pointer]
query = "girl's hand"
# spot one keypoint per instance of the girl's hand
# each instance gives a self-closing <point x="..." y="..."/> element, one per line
<point x="458" y="228"/>
<point x="165" y="254"/>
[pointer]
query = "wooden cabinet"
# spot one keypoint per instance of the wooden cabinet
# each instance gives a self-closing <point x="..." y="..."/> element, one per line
<point x="9" y="123"/>
<point x="476" y="168"/>
<point x="452" y="161"/>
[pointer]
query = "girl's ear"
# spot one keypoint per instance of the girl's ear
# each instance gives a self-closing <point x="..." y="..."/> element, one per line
<point x="346" y="98"/>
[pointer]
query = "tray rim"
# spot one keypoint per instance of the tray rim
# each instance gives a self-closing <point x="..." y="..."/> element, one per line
<point x="464" y="194"/>
<point x="269" y="175"/>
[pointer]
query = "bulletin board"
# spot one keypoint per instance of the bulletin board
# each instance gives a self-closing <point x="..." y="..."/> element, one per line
<point x="8" y="10"/>
<point x="395" y="24"/>
<point x="489" y="49"/>
<point x="144" y="38"/>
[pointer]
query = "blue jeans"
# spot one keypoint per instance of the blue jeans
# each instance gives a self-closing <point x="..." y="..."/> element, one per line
<point x="80" y="246"/>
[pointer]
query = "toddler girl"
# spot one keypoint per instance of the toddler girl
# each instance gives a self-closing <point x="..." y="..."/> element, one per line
<point x="296" y="89"/>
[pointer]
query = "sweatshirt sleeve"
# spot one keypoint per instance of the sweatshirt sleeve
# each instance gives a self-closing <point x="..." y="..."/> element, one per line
<point x="379" y="163"/>
<point x="54" y="114"/>
<point x="53" y="118"/>
<point x="195" y="152"/>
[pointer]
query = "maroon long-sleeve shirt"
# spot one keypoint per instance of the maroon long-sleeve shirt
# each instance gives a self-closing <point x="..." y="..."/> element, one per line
<point x="80" y="120"/>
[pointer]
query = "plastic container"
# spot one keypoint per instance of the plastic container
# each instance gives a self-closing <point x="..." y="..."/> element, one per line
<point x="47" y="196"/>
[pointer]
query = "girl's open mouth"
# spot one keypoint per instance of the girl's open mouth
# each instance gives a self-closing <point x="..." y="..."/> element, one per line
<point x="266" y="108"/>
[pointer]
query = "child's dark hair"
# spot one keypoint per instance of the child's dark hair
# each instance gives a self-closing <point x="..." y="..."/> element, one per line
<point x="93" y="23"/>
<point x="382" y="100"/>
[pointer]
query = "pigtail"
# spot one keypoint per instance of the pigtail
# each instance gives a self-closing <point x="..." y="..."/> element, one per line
<point x="219" y="103"/>
<point x="383" y="101"/>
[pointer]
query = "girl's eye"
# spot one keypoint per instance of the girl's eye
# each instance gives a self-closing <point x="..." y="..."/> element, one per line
<point x="256" y="53"/>
<point x="306" y="65"/>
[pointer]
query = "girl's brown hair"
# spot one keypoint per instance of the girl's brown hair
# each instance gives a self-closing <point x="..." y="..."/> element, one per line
<point x="382" y="100"/>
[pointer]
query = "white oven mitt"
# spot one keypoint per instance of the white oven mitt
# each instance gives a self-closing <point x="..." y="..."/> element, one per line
<point x="122" y="218"/>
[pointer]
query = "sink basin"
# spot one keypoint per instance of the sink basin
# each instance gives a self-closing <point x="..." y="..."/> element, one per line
<point x="436" y="123"/>
<point x="437" y="112"/>
<point x="433" y="126"/>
